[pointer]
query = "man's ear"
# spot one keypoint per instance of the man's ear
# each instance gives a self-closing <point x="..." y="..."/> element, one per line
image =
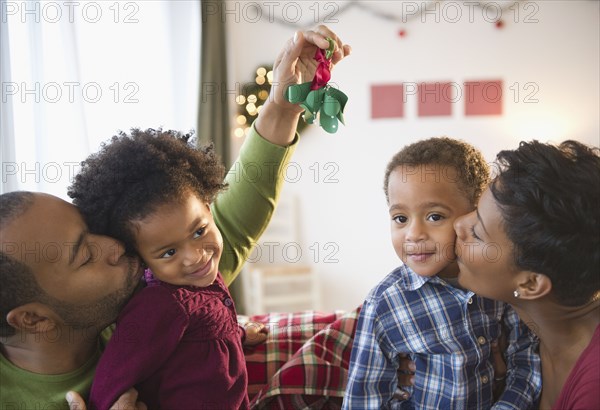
<point x="534" y="286"/>
<point x="32" y="318"/>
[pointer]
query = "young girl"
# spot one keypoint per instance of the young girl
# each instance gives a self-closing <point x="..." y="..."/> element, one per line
<point x="177" y="341"/>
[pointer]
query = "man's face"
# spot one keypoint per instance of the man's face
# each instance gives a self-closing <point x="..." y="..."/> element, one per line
<point x="87" y="278"/>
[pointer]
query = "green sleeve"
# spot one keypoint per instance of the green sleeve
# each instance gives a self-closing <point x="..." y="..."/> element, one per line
<point x="244" y="210"/>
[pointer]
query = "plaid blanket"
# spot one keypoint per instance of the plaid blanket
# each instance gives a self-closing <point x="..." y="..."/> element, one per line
<point x="304" y="362"/>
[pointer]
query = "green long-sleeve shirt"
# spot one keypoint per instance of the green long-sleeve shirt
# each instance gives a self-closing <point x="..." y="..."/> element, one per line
<point x="243" y="212"/>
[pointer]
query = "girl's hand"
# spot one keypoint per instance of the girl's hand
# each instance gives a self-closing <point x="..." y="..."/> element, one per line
<point x="256" y="333"/>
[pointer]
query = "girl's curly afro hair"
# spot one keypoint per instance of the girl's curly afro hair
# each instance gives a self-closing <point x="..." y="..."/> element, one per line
<point x="132" y="175"/>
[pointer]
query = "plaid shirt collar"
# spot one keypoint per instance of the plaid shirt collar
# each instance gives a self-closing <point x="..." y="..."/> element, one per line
<point x="407" y="279"/>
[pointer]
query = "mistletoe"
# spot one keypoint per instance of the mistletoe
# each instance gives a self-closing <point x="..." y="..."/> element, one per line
<point x="317" y="97"/>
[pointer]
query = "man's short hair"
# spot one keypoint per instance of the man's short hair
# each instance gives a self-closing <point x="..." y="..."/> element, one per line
<point x="18" y="285"/>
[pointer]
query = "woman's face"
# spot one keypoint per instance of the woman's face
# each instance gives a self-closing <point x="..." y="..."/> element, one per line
<point x="484" y="252"/>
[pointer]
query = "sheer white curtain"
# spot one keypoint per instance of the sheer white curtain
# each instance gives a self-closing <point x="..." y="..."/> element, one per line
<point x="74" y="73"/>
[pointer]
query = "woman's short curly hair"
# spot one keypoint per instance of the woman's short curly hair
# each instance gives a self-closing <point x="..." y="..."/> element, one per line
<point x="133" y="174"/>
<point x="549" y="198"/>
<point x="473" y="171"/>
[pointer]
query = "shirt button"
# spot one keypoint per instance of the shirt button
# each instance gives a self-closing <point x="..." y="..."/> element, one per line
<point x="484" y="379"/>
<point x="481" y="340"/>
<point x="470" y="302"/>
<point x="228" y="302"/>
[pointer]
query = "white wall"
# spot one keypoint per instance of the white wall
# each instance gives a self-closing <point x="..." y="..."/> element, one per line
<point x="559" y="54"/>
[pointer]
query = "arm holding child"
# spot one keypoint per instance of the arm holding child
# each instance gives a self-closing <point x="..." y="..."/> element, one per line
<point x="267" y="152"/>
<point x="523" y="377"/>
<point x="517" y="373"/>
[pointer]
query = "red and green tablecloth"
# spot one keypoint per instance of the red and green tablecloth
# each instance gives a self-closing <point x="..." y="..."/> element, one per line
<point x="304" y="362"/>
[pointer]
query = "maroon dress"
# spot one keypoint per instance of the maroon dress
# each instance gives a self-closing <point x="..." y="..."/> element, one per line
<point x="180" y="346"/>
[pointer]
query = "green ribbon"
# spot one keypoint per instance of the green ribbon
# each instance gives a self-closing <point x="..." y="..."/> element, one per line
<point x="326" y="102"/>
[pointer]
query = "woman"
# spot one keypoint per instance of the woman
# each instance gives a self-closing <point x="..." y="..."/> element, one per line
<point x="533" y="242"/>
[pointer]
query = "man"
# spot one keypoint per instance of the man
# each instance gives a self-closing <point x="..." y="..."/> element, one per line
<point x="62" y="285"/>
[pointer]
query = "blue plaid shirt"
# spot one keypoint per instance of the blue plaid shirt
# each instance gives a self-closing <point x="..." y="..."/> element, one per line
<point x="447" y="332"/>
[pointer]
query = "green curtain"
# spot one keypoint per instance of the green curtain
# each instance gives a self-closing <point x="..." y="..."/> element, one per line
<point x="213" y="115"/>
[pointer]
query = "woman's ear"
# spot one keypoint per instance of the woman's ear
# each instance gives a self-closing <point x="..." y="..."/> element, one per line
<point x="32" y="318"/>
<point x="534" y="286"/>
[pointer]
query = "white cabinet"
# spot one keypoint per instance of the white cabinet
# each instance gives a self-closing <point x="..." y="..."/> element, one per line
<point x="280" y="288"/>
<point x="277" y="277"/>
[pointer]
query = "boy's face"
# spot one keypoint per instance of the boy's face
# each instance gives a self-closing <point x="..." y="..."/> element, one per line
<point x="424" y="201"/>
<point x="180" y="243"/>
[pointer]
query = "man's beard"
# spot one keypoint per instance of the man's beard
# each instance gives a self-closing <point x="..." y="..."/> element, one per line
<point x="96" y="316"/>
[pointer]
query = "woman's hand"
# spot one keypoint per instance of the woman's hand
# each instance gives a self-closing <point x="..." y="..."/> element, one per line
<point x="406" y="371"/>
<point x="498" y="349"/>
<point x="406" y="377"/>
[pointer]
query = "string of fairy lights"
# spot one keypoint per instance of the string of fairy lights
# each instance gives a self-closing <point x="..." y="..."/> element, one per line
<point x="410" y="10"/>
<point x="253" y="95"/>
<point x="250" y="101"/>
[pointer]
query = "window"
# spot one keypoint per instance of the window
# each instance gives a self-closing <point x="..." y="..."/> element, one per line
<point x="75" y="73"/>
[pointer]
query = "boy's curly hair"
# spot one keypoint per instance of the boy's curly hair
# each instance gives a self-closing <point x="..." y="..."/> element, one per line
<point x="473" y="171"/>
<point x="132" y="175"/>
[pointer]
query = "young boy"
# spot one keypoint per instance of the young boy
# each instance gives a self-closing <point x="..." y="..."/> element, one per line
<point x="420" y="310"/>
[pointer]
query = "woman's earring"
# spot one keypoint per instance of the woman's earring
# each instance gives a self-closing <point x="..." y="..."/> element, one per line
<point x="516" y="293"/>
